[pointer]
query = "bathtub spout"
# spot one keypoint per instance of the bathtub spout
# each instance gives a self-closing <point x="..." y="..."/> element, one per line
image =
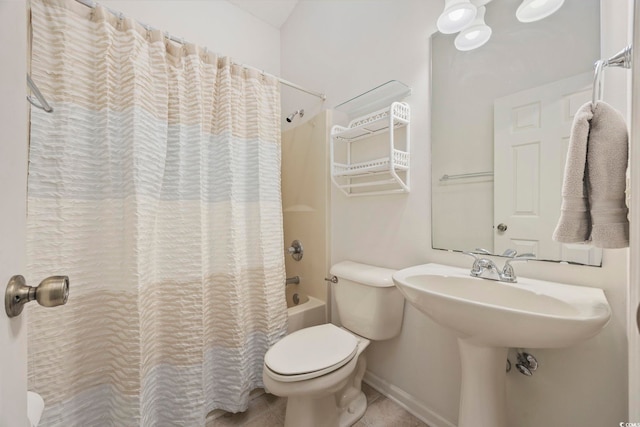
<point x="295" y="280"/>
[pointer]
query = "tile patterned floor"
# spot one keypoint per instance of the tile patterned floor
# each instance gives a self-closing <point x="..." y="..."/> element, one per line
<point x="267" y="410"/>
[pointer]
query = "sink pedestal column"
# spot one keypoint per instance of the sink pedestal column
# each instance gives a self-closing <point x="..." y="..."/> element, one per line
<point x="483" y="393"/>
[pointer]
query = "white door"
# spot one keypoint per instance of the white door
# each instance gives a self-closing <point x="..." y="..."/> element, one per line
<point x="531" y="137"/>
<point x="13" y="174"/>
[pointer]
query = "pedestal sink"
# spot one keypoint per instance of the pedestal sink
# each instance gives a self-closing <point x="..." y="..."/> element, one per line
<point x="489" y="317"/>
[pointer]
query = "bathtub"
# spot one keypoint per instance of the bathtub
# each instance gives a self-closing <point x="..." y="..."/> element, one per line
<point x="303" y="310"/>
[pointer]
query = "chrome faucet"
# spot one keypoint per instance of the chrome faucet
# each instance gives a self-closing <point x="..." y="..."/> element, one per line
<point x="295" y="280"/>
<point x="485" y="268"/>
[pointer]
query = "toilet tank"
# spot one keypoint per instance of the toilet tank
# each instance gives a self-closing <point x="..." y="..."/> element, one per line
<point x="368" y="303"/>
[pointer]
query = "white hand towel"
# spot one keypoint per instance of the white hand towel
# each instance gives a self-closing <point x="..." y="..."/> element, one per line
<point x="593" y="191"/>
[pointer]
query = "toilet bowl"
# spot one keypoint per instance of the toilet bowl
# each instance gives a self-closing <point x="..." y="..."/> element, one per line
<point x="323" y="390"/>
<point x="320" y="369"/>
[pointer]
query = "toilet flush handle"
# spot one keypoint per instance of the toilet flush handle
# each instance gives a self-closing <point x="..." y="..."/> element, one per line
<point x="332" y="279"/>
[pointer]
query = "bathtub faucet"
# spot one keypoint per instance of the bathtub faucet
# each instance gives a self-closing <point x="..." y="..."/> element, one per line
<point x="295" y="280"/>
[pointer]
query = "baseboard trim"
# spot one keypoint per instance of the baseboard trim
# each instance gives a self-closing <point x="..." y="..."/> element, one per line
<point x="407" y="401"/>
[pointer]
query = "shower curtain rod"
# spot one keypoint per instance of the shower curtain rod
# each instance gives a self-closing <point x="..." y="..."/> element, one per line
<point x="92" y="5"/>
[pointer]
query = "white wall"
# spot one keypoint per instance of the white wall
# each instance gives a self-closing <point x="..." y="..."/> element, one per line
<point x="347" y="47"/>
<point x="219" y="25"/>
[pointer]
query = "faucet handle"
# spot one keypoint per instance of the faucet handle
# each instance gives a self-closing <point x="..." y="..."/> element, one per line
<point x="510" y="253"/>
<point x="508" y="275"/>
<point x="482" y="251"/>
<point x="528" y="256"/>
<point x="522" y="257"/>
<point x="475" y="269"/>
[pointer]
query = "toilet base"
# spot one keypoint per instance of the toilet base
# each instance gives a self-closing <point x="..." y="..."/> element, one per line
<point x="323" y="412"/>
<point x="354" y="412"/>
<point x="305" y="412"/>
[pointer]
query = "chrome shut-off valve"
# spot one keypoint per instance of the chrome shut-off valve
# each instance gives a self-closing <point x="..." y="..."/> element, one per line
<point x="527" y="363"/>
<point x="51" y="292"/>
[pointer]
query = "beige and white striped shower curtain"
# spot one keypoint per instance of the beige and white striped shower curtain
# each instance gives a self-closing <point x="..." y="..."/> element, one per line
<point x="155" y="186"/>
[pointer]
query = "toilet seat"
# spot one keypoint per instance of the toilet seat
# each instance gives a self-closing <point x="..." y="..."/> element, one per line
<point x="310" y="353"/>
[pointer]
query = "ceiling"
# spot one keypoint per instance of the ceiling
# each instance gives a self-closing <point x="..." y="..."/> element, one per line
<point x="274" y="12"/>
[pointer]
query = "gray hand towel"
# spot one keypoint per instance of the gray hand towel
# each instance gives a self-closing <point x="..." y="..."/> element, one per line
<point x="593" y="191"/>
<point x="574" y="225"/>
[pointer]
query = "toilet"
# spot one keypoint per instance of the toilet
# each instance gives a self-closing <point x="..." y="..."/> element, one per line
<point x="320" y="369"/>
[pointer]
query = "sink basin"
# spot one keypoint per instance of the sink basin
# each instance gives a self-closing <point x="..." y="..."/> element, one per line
<point x="488" y="317"/>
<point x="527" y="314"/>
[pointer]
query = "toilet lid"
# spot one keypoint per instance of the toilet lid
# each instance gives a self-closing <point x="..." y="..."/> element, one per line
<point x="318" y="350"/>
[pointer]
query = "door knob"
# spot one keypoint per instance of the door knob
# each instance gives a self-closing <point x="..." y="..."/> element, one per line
<point x="502" y="227"/>
<point x="51" y="292"/>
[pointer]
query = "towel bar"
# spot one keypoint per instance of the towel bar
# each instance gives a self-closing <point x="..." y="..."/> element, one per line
<point x="621" y="59"/>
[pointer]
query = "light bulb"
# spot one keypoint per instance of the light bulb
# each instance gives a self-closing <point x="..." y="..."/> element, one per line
<point x="537" y="3"/>
<point x="456" y="16"/>
<point x="472" y="35"/>
<point x="475" y="35"/>
<point x="535" y="10"/>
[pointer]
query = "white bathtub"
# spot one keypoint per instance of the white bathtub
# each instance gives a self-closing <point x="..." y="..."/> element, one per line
<point x="304" y="311"/>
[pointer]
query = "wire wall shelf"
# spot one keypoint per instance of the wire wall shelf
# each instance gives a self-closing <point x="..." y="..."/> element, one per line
<point x="378" y="175"/>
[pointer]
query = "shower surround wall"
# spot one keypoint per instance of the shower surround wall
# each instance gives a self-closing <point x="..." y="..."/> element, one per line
<point x="305" y="201"/>
<point x="345" y="48"/>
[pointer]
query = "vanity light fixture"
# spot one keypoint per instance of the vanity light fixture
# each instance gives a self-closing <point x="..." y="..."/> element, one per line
<point x="467" y="18"/>
<point x="535" y="10"/>
<point x="456" y="16"/>
<point x="475" y="35"/>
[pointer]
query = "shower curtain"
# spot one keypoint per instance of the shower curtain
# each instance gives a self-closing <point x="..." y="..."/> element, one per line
<point x="155" y="186"/>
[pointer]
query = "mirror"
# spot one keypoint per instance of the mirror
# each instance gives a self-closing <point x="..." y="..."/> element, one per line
<point x="500" y="122"/>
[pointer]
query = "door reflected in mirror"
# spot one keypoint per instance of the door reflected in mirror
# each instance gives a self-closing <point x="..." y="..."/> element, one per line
<point x="500" y="123"/>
